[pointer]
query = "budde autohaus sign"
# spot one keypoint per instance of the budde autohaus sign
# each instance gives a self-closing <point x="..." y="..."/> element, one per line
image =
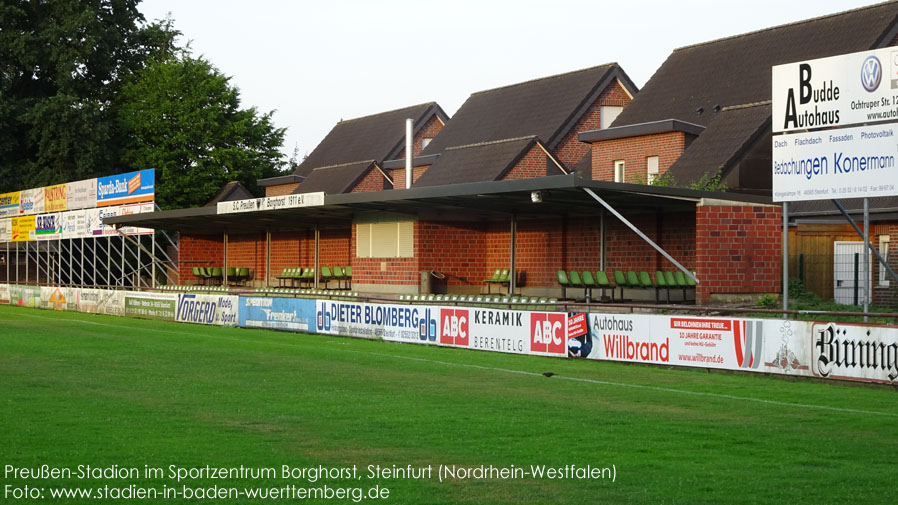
<point x="828" y="100"/>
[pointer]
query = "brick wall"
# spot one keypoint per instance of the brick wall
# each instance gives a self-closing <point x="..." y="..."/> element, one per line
<point x="281" y="189"/>
<point x="430" y="130"/>
<point x="674" y="232"/>
<point x="248" y="250"/>
<point x="385" y="271"/>
<point x="372" y="181"/>
<point x="570" y="149"/>
<point x="455" y="249"/>
<point x="634" y="151"/>
<point x="533" y="164"/>
<point x="198" y="251"/>
<point x="398" y="175"/>
<point x="738" y="250"/>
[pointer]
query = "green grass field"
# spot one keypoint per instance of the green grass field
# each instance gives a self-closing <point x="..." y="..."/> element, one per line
<point x="78" y="389"/>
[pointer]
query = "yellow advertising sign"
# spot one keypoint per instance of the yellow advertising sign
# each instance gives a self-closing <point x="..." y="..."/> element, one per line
<point x="23" y="229"/>
<point x="55" y="198"/>
<point x="9" y="204"/>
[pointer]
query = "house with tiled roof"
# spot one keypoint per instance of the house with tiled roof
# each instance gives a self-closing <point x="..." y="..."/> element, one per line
<point x="350" y="157"/>
<point x="528" y="129"/>
<point x="706" y="113"/>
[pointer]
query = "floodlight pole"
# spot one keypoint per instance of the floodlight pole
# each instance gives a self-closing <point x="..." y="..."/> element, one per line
<point x="785" y="258"/>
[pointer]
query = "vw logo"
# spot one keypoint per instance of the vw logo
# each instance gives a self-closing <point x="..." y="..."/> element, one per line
<point x="871" y="73"/>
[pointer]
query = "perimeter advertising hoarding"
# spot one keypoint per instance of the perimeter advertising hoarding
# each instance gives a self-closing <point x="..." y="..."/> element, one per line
<point x="845" y="163"/>
<point x="81" y="194"/>
<point x="132" y="187"/>
<point x="291" y="314"/>
<point x="207" y="309"/>
<point x="399" y="323"/>
<point x="756" y="345"/>
<point x="9" y="204"/>
<point x="150" y="305"/>
<point x="4" y="294"/>
<point x="24" y="296"/>
<point x="841" y="90"/>
<point x="855" y="352"/>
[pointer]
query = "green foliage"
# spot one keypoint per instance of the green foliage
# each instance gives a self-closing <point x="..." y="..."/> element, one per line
<point x="89" y="88"/>
<point x="768" y="301"/>
<point x="184" y="119"/>
<point x="707" y="182"/>
<point x="62" y="64"/>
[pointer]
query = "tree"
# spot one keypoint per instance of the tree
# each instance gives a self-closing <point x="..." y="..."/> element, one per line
<point x="62" y="64"/>
<point x="184" y="119"/>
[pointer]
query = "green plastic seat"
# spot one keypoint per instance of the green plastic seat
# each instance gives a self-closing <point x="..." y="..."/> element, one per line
<point x="561" y="277"/>
<point x="243" y="274"/>
<point x="326" y="275"/>
<point x="338" y="276"/>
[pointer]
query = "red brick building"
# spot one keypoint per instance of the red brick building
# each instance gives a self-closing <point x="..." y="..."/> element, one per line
<point x="504" y="182"/>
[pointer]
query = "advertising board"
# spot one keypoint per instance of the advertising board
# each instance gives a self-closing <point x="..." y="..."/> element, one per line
<point x="150" y="305"/>
<point x="9" y="204"/>
<point x="291" y="314"/>
<point x="4" y="294"/>
<point x="131" y="187"/>
<point x="31" y="202"/>
<point x="24" y="296"/>
<point x="5" y="229"/>
<point x="55" y="199"/>
<point x="23" y="229"/>
<point x="499" y="330"/>
<point x="48" y="226"/>
<point x="405" y="323"/>
<point x="855" y="352"/>
<point x="758" y="345"/>
<point x="843" y="90"/>
<point x="845" y="163"/>
<point x="141" y="208"/>
<point x="219" y="310"/>
<point x="81" y="194"/>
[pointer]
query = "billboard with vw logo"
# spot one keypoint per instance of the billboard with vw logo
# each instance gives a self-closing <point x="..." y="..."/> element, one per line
<point x="842" y="92"/>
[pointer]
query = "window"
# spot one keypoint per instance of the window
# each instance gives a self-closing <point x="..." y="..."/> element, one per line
<point x="607" y="115"/>
<point x="619" y="171"/>
<point x="425" y="141"/>
<point x="884" y="251"/>
<point x="385" y="238"/>
<point x="651" y="164"/>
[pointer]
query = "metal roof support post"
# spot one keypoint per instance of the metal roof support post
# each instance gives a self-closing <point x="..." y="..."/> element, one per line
<point x="867" y="257"/>
<point x="224" y="269"/>
<point x="8" y="259"/>
<point x="512" y="273"/>
<point x="108" y="255"/>
<point x="139" y="262"/>
<point x="643" y="236"/>
<point x="267" y="258"/>
<point x="123" y="261"/>
<point x="602" y="245"/>
<point x="785" y="258"/>
<point x="93" y="264"/>
<point x="27" y="262"/>
<point x="153" y="273"/>
<point x="317" y="251"/>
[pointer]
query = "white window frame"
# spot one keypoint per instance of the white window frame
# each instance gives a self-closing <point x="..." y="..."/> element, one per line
<point x="385" y="238"/>
<point x="651" y="169"/>
<point x="884" y="251"/>
<point x="620" y="171"/>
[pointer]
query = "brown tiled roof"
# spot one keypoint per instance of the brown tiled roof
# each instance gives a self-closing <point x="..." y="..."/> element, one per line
<point x="546" y="108"/>
<point x="335" y="179"/>
<point x="376" y="137"/>
<point x="737" y="70"/>
<point x="726" y="138"/>
<point x="231" y="191"/>
<point x="486" y="161"/>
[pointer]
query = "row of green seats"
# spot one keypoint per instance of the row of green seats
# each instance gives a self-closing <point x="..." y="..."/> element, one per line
<point x="630" y="279"/>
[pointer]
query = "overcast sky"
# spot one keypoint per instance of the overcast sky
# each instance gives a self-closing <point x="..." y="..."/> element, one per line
<point x="314" y="63"/>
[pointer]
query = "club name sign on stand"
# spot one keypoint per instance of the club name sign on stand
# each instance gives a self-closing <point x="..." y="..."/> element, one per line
<point x="839" y="122"/>
<point x="271" y="203"/>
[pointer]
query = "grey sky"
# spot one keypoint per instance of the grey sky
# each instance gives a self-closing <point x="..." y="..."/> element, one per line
<point x="317" y="62"/>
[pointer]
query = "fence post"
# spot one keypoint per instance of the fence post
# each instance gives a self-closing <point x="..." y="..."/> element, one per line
<point x="856" y="276"/>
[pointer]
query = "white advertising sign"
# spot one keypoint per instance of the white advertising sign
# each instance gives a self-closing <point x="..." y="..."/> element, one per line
<point x="855" y="352"/>
<point x="81" y="194"/>
<point x="74" y="224"/>
<point x="845" y="163"/>
<point x="4" y="294"/>
<point x="398" y="323"/>
<point x="127" y="210"/>
<point x="31" y="202"/>
<point x="5" y="230"/>
<point x="512" y="331"/>
<point x="95" y="226"/>
<point x="754" y="345"/>
<point x="272" y="203"/>
<point x="207" y="309"/>
<point x="842" y="90"/>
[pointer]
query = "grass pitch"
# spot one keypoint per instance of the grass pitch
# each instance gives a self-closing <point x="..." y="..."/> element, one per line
<point x="78" y="389"/>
